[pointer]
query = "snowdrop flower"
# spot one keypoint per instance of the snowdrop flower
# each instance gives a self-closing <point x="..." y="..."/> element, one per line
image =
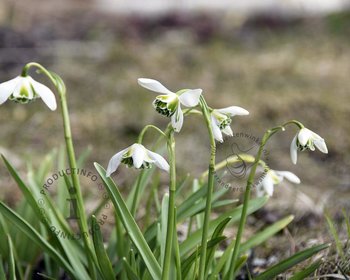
<point x="274" y="177"/>
<point x="138" y="156"/>
<point x="24" y="89"/>
<point x="168" y="104"/>
<point x="306" y="139"/>
<point x="221" y="120"/>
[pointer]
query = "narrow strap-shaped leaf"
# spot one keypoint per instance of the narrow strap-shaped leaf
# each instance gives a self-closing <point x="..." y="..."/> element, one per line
<point x="30" y="232"/>
<point x="195" y="237"/>
<point x="265" y="234"/>
<point x="282" y="266"/>
<point x="102" y="258"/>
<point x="254" y="241"/>
<point x="217" y="232"/>
<point x="130" y="224"/>
<point x="187" y="263"/>
<point x="335" y="235"/>
<point x="11" y="262"/>
<point x="2" y="272"/>
<point x="129" y="270"/>
<point x="306" y="271"/>
<point x="45" y="276"/>
<point x="54" y="219"/>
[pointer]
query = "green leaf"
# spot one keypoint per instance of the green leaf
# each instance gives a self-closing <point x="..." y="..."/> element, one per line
<point x="195" y="237"/>
<point x="217" y="232"/>
<point x="187" y="263"/>
<point x="301" y="275"/>
<point x="347" y="222"/>
<point x="254" y="241"/>
<point x="335" y="235"/>
<point x="130" y="225"/>
<point x="30" y="232"/>
<point x="102" y="258"/>
<point x="2" y="272"/>
<point x="265" y="234"/>
<point x="284" y="265"/>
<point x="129" y="270"/>
<point x="52" y="218"/>
<point x="11" y="262"/>
<point x="45" y="276"/>
<point x="199" y="206"/>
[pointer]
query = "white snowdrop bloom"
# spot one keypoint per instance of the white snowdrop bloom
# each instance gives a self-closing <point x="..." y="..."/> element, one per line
<point x="25" y="89"/>
<point x="169" y="103"/>
<point x="306" y="139"/>
<point x="138" y="156"/>
<point x="221" y="120"/>
<point x="274" y="177"/>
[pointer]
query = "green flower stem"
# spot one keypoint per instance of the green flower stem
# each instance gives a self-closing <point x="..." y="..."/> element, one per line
<point x="80" y="211"/>
<point x="142" y="133"/>
<point x="210" y="189"/>
<point x="233" y="159"/>
<point x="246" y="198"/>
<point x="139" y="179"/>
<point x="171" y="230"/>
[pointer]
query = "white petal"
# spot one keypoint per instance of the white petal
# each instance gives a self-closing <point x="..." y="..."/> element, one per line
<point x="294" y="150"/>
<point x="228" y="131"/>
<point x="177" y="119"/>
<point x="289" y="176"/>
<point x="321" y="145"/>
<point x="216" y="130"/>
<point x="268" y="185"/>
<point x="24" y="82"/>
<point x="159" y="160"/>
<point x="304" y="135"/>
<point x="138" y="155"/>
<point x="45" y="93"/>
<point x="190" y="98"/>
<point x="260" y="190"/>
<point x="7" y="88"/>
<point x="153" y="85"/>
<point x="115" y="162"/>
<point x="234" y="111"/>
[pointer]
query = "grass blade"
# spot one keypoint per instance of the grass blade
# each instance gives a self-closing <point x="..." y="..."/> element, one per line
<point x="195" y="237"/>
<point x="30" y="232"/>
<point x="254" y="241"/>
<point x="284" y="265"/>
<point x="102" y="258"/>
<point x="217" y="232"/>
<point x="11" y="262"/>
<point x="129" y="270"/>
<point x="130" y="224"/>
<point x="187" y="263"/>
<point x="306" y="272"/>
<point x="335" y="235"/>
<point x="2" y="272"/>
<point x="265" y="234"/>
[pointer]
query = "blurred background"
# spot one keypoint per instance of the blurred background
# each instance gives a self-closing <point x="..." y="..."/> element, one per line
<point x="280" y="60"/>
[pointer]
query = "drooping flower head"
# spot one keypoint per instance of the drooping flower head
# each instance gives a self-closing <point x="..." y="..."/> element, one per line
<point x="24" y="90"/>
<point x="221" y="120"/>
<point x="137" y="156"/>
<point x="306" y="139"/>
<point x="169" y="103"/>
<point x="274" y="177"/>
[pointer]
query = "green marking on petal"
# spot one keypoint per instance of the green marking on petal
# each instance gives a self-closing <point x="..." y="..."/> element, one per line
<point x="308" y="146"/>
<point x="224" y="120"/>
<point x="166" y="105"/>
<point x="130" y="163"/>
